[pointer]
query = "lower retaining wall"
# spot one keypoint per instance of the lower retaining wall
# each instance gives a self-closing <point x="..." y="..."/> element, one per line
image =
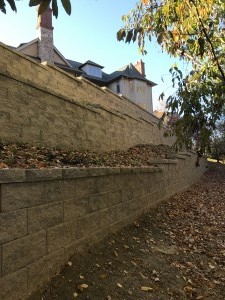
<point x="50" y="214"/>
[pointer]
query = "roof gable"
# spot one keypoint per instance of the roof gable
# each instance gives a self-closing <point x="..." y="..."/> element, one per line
<point x="128" y="71"/>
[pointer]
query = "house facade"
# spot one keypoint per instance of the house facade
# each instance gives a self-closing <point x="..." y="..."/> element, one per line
<point x="130" y="80"/>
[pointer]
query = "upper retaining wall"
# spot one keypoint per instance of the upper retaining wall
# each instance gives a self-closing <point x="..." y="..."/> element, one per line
<point x="44" y="105"/>
<point x="47" y="215"/>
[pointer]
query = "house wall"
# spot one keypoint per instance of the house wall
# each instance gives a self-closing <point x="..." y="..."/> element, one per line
<point x="44" y="105"/>
<point x="137" y="91"/>
<point x="58" y="59"/>
<point x="31" y="50"/>
<point x="93" y="71"/>
<point x="50" y="214"/>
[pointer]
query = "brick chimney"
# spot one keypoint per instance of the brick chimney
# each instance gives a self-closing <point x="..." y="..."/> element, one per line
<point x="140" y="66"/>
<point x="45" y="35"/>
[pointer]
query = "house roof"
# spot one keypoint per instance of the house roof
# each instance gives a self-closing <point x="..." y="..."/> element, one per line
<point x="89" y="62"/>
<point x="128" y="71"/>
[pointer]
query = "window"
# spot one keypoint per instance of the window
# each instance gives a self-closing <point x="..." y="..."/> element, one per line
<point x="118" y="87"/>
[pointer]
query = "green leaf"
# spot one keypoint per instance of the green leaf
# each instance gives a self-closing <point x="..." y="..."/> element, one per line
<point x="12" y="4"/>
<point x="67" y="6"/>
<point x="35" y="2"/>
<point x="129" y="36"/>
<point x="55" y="8"/>
<point x="2" y="6"/>
<point x="121" y="34"/>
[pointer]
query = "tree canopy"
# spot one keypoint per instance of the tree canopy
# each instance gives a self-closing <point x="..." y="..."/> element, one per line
<point x="43" y="4"/>
<point x="193" y="30"/>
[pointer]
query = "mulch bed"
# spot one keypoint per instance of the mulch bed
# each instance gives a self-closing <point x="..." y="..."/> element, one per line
<point x="17" y="155"/>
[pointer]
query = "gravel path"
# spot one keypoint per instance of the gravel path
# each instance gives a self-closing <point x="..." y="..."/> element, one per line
<point x="176" y="251"/>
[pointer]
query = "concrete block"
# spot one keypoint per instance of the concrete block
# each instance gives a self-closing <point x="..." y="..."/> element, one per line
<point x="42" y="270"/>
<point x="13" y="225"/>
<point x="137" y="191"/>
<point x="74" y="173"/>
<point x="44" y="216"/>
<point x="12" y="175"/>
<point x="105" y="217"/>
<point x="43" y="174"/>
<point x="127" y="194"/>
<point x="98" y="202"/>
<point x="89" y="224"/>
<point x="61" y="235"/>
<point x="97" y="171"/>
<point x="104" y="183"/>
<point x="14" y="285"/>
<point x="76" y="188"/>
<point x="114" y="197"/>
<point x="75" y="208"/>
<point x="23" y="251"/>
<point x="21" y="195"/>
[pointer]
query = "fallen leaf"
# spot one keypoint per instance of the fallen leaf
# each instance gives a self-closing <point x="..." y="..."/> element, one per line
<point x="116" y="254"/>
<point x="82" y="286"/>
<point x="143" y="276"/>
<point x="75" y="295"/>
<point x="119" y="285"/>
<point x="146" y="289"/>
<point x="188" y="289"/>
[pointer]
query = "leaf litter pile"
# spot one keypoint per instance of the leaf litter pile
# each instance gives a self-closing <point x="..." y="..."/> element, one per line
<point x="176" y="251"/>
<point x="25" y="156"/>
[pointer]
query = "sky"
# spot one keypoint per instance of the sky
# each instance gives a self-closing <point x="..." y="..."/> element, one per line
<point x="89" y="33"/>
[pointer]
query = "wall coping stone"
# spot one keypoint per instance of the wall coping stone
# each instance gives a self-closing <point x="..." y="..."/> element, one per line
<point x="12" y="175"/>
<point x="175" y="156"/>
<point x="43" y="174"/>
<point x="135" y="119"/>
<point x="163" y="161"/>
<point x="185" y="153"/>
<point x="147" y="121"/>
<point x="48" y="174"/>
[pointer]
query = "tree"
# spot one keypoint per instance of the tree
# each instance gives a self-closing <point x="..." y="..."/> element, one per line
<point x="43" y="4"/>
<point x="193" y="30"/>
<point x="218" y="141"/>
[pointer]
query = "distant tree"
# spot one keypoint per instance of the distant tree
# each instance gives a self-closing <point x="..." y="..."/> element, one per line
<point x="218" y="141"/>
<point x="194" y="31"/>
<point x="43" y="4"/>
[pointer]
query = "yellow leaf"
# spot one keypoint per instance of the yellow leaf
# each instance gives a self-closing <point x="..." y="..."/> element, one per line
<point x="83" y="286"/>
<point x="146" y="289"/>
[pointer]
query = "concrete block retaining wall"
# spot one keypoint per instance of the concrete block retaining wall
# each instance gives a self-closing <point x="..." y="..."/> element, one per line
<point x="43" y="105"/>
<point x="50" y="214"/>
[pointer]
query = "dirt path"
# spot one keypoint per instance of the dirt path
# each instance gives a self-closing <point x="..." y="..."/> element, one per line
<point x="177" y="251"/>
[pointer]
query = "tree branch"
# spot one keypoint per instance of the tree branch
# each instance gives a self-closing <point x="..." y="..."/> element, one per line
<point x="210" y="43"/>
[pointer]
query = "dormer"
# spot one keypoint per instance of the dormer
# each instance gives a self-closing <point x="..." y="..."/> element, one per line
<point x="92" y="69"/>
